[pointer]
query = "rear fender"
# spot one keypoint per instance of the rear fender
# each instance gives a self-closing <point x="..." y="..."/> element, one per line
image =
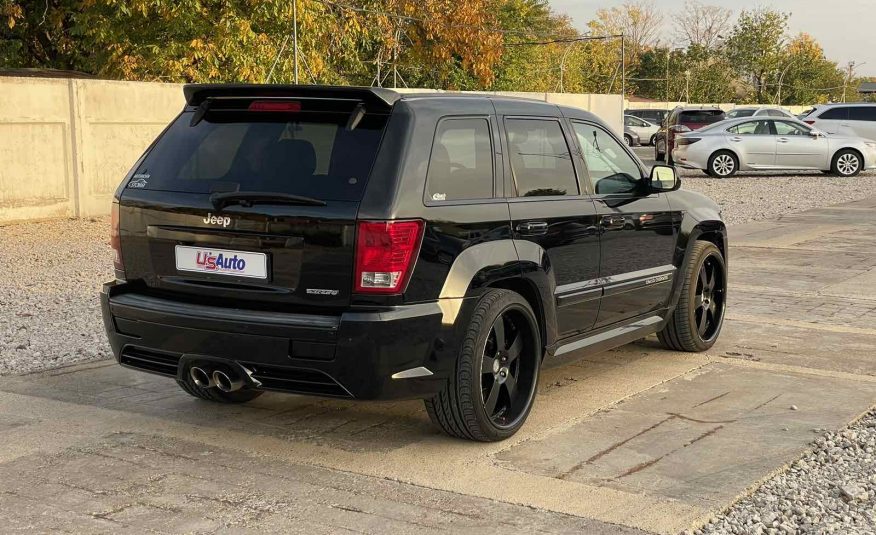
<point x="517" y="265"/>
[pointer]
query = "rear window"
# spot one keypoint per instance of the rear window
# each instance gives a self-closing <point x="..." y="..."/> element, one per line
<point x="701" y="116"/>
<point x="312" y="154"/>
<point x="738" y="114"/>
<point x="862" y="113"/>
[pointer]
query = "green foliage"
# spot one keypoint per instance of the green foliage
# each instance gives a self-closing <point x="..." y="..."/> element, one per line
<point x="754" y="47"/>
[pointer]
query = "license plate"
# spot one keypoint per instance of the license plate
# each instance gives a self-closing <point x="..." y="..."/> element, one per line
<point x="222" y="262"/>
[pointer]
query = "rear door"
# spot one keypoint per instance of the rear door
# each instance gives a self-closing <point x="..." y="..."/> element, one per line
<point x="638" y="229"/>
<point x="549" y="208"/>
<point x="249" y="201"/>
<point x="833" y="120"/>
<point x="753" y="142"/>
<point x="862" y="119"/>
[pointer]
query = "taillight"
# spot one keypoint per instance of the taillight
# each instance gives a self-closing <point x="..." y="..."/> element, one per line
<point x="275" y="105"/>
<point x="116" y="240"/>
<point x="385" y="253"/>
<point x="686" y="140"/>
<point x="808" y="122"/>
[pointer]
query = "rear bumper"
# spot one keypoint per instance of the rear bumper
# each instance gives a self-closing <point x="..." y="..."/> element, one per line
<point x="352" y="355"/>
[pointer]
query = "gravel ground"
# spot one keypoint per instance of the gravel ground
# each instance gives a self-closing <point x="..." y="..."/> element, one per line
<point x="49" y="293"/>
<point x="830" y="490"/>
<point x="753" y="197"/>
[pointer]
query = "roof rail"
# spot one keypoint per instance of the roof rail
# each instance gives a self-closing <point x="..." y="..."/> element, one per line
<point x="377" y="98"/>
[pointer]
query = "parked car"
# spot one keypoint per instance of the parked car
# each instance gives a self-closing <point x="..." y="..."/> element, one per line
<point x="652" y="116"/>
<point x="362" y="244"/>
<point x="845" y="119"/>
<point x="631" y="137"/>
<point x="739" y="113"/>
<point x="682" y="119"/>
<point x="646" y="131"/>
<point x="772" y="144"/>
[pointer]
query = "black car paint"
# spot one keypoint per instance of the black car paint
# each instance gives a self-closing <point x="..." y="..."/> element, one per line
<point x="621" y="283"/>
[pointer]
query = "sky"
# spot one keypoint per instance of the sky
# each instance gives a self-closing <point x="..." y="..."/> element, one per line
<point x="845" y="28"/>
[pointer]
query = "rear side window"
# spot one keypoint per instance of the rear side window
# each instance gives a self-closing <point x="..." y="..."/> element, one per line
<point x="309" y="153"/>
<point x="835" y="114"/>
<point x="540" y="158"/>
<point x="461" y="165"/>
<point x="752" y="128"/>
<point x="862" y="113"/>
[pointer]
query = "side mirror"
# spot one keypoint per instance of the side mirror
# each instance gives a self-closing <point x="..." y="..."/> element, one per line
<point x="815" y="133"/>
<point x="663" y="178"/>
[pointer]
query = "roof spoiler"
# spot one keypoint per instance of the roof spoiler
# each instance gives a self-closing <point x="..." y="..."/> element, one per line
<point x="375" y="98"/>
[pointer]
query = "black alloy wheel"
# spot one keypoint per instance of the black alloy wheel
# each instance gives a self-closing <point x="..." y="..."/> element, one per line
<point x="696" y="322"/>
<point x="492" y="391"/>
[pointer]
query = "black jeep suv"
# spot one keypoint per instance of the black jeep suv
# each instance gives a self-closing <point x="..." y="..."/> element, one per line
<point x="357" y="243"/>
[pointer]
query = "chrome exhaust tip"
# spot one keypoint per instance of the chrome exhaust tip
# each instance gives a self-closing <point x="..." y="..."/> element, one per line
<point x="227" y="382"/>
<point x="201" y="378"/>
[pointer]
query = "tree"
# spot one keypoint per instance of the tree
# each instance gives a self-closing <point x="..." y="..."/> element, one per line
<point x="806" y="75"/>
<point x="639" y="21"/>
<point x="755" y="46"/>
<point x="702" y="25"/>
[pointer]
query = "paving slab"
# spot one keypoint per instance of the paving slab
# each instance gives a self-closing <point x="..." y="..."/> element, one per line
<point x="637" y="439"/>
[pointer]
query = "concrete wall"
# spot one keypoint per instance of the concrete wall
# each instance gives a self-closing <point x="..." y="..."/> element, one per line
<point x="65" y="145"/>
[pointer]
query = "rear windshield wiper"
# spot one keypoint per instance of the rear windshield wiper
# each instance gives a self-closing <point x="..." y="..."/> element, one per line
<point x="249" y="198"/>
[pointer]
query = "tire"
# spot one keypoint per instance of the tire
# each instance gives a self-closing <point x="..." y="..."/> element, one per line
<point x="216" y="395"/>
<point x="628" y="140"/>
<point x="722" y="164"/>
<point x="846" y="163"/>
<point x="463" y="407"/>
<point x="653" y="140"/>
<point x="658" y="156"/>
<point x="684" y="330"/>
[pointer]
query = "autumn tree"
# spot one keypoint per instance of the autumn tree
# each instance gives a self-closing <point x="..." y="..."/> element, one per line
<point x="702" y="25"/>
<point x="806" y="75"/>
<point x="755" y="46"/>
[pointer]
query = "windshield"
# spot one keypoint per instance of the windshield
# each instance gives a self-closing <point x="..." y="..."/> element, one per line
<point x="736" y="114"/>
<point x="309" y="154"/>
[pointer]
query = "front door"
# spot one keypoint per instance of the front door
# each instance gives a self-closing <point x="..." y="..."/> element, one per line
<point x="549" y="209"/>
<point x="795" y="148"/>
<point x="637" y="229"/>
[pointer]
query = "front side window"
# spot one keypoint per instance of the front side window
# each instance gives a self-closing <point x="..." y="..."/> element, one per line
<point x="461" y="165"/>
<point x="751" y="128"/>
<point x="540" y="160"/>
<point x="611" y="168"/>
<point x="790" y="129"/>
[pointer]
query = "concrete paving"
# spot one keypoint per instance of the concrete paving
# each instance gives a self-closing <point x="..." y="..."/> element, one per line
<point x="634" y="440"/>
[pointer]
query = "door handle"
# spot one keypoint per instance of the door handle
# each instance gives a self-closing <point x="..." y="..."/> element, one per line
<point x="532" y="228"/>
<point x="613" y="222"/>
<point x="736" y="139"/>
<point x="783" y="140"/>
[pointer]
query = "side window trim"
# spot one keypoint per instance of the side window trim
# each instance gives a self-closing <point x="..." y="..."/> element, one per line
<point x="514" y="194"/>
<point x="491" y="130"/>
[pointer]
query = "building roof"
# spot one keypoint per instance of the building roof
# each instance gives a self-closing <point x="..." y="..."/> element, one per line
<point x="867" y="87"/>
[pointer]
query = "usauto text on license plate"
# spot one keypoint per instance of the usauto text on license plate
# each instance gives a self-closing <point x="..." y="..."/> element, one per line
<point x="222" y="262"/>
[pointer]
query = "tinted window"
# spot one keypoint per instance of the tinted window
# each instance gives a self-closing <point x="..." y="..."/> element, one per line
<point x="751" y="128"/>
<point x="461" y="166"/>
<point x="540" y="159"/>
<point x="701" y="117"/>
<point x="790" y="129"/>
<point x="835" y="114"/>
<point x="738" y="114"/>
<point x="775" y="113"/>
<point x="862" y="113"/>
<point x="310" y="153"/>
<point x="611" y="168"/>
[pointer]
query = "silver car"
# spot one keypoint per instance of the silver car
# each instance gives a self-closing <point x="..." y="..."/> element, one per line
<point x="761" y="144"/>
<point x="739" y="113"/>
<point x="646" y="131"/>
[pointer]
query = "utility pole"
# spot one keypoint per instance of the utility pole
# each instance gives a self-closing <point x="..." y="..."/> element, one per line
<point x="668" y="55"/>
<point x="623" y="74"/>
<point x="687" y="86"/>
<point x="295" y="35"/>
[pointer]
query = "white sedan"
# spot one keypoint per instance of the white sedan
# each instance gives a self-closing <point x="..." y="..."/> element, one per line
<point x="760" y="144"/>
<point x="646" y="130"/>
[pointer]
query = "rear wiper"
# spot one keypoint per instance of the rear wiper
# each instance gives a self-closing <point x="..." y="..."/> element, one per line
<point x="249" y="198"/>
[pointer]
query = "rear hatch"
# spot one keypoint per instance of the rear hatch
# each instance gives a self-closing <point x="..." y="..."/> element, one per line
<point x="696" y="119"/>
<point x="250" y="197"/>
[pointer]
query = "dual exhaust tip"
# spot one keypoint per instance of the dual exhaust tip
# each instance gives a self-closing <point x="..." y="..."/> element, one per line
<point x="224" y="381"/>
